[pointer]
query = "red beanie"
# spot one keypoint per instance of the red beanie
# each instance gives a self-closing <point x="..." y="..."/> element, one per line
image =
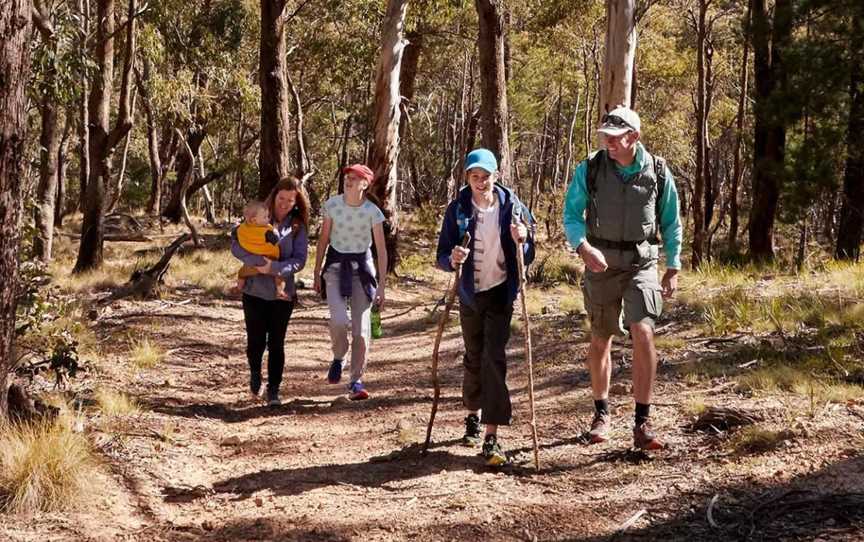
<point x="361" y="170"/>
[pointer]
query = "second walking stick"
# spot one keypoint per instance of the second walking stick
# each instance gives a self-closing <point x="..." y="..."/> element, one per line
<point x="520" y="258"/>
<point x="442" y="322"/>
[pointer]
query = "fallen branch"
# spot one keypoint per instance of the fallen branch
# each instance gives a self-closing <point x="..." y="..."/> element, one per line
<point x="718" y="419"/>
<point x="144" y="284"/>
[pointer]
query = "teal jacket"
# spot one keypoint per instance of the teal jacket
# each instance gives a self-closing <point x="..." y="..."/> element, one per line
<point x="576" y="201"/>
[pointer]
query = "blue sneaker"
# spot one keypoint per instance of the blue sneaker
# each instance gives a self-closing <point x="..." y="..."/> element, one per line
<point x="334" y="375"/>
<point x="357" y="392"/>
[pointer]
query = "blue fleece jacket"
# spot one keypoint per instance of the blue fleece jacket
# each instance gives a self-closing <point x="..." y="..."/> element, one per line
<point x="459" y="218"/>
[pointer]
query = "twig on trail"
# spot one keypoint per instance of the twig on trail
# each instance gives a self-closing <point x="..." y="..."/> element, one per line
<point x="710" y="511"/>
<point x="633" y="519"/>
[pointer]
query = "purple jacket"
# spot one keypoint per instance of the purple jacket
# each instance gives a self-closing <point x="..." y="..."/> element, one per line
<point x="292" y="258"/>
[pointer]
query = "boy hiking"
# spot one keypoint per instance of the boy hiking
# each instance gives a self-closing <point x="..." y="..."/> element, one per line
<point x="496" y="221"/>
<point x="347" y="278"/>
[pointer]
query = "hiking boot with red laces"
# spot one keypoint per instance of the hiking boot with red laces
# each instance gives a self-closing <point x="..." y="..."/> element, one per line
<point x="644" y="437"/>
<point x="600" y="427"/>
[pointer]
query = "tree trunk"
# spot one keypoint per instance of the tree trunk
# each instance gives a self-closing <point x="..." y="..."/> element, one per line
<point x="385" y="150"/>
<point x="142" y="81"/>
<point x="849" y="232"/>
<point x="117" y="190"/>
<point x="173" y="210"/>
<point x="738" y="170"/>
<point x="84" y="108"/>
<point x="617" y="85"/>
<point x="701" y="141"/>
<point x="494" y="112"/>
<point x="49" y="168"/>
<point x="15" y="68"/>
<point x="103" y="140"/>
<point x="769" y="134"/>
<point x="305" y="168"/>
<point x="273" y="160"/>
<point x="62" y="166"/>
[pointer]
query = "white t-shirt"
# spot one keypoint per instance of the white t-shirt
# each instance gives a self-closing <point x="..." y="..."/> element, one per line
<point x="352" y="226"/>
<point x="489" y="268"/>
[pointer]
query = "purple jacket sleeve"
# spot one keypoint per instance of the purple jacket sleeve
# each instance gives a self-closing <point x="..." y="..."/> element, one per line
<point x="244" y="255"/>
<point x="297" y="259"/>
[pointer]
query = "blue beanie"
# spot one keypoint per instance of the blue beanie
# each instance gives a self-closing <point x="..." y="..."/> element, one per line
<point x="482" y="158"/>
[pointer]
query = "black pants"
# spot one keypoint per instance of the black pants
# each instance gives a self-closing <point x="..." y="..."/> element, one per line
<point x="486" y="330"/>
<point x="266" y="324"/>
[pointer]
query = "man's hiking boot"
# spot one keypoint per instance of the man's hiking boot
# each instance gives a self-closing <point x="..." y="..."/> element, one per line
<point x="334" y="375"/>
<point x="492" y="452"/>
<point x="644" y="437"/>
<point x="357" y="392"/>
<point x="255" y="385"/>
<point x="600" y="427"/>
<point x="472" y="431"/>
<point x="273" y="398"/>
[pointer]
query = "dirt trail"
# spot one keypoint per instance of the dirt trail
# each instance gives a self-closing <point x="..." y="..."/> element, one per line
<point x="203" y="462"/>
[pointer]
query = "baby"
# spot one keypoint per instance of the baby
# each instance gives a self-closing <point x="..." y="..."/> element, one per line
<point x="257" y="236"/>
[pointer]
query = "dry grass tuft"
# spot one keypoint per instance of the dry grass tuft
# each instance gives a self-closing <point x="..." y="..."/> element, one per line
<point x="146" y="354"/>
<point x="114" y="403"/>
<point x="754" y="440"/>
<point x="44" y="467"/>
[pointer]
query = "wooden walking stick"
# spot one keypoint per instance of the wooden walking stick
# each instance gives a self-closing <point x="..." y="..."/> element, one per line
<point x="520" y="258"/>
<point x="450" y="297"/>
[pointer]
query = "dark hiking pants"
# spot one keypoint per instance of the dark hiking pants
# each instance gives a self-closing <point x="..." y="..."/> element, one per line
<point x="485" y="330"/>
<point x="266" y="324"/>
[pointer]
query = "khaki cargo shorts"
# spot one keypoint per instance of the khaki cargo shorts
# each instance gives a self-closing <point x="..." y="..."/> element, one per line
<point x="627" y="293"/>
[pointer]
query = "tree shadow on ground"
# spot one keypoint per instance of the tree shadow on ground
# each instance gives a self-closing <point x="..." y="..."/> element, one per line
<point x="243" y="411"/>
<point x="400" y="465"/>
<point x="806" y="507"/>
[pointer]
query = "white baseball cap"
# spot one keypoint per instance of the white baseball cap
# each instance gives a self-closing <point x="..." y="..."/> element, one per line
<point x="620" y="121"/>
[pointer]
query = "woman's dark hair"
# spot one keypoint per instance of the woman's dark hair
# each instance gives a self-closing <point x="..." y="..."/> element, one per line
<point x="301" y="205"/>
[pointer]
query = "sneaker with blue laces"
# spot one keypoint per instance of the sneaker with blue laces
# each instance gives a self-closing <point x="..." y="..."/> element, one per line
<point x="357" y="392"/>
<point x="334" y="375"/>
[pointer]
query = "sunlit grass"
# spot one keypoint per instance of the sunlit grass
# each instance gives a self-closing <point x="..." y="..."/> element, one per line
<point x="146" y="354"/>
<point x="755" y="439"/>
<point x="213" y="271"/>
<point x="44" y="467"/>
<point x="113" y="403"/>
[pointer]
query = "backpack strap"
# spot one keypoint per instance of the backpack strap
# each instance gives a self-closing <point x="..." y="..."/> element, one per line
<point x="593" y="168"/>
<point x="660" y="173"/>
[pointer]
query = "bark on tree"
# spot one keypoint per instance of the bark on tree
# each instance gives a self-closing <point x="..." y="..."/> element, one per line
<point x="494" y="109"/>
<point x="173" y="210"/>
<point x="49" y="141"/>
<point x="84" y="108"/>
<point x="305" y="168"/>
<point x="769" y="134"/>
<point x="385" y="149"/>
<point x="103" y="139"/>
<point x="849" y="232"/>
<point x="63" y="165"/>
<point x="142" y="80"/>
<point x="617" y="86"/>
<point x="273" y="160"/>
<point x="738" y="170"/>
<point x="701" y="183"/>
<point x="14" y="69"/>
